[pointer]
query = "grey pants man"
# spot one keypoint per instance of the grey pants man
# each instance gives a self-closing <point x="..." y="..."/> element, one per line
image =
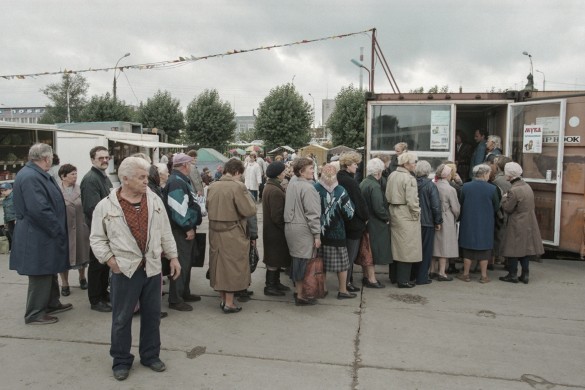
<point x="179" y="289"/>
<point x="43" y="292"/>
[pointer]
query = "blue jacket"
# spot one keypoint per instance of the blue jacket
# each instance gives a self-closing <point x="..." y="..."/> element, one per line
<point x="431" y="212"/>
<point x="8" y="205"/>
<point x="184" y="212"/>
<point x="479" y="204"/>
<point x="478" y="156"/>
<point x="41" y="241"/>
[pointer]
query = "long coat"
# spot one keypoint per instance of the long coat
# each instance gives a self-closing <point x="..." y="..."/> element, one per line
<point x="405" y="229"/>
<point x="40" y="245"/>
<point x="378" y="220"/>
<point x="228" y="206"/>
<point x="78" y="229"/>
<point x="522" y="233"/>
<point x="479" y="203"/>
<point x="276" y="253"/>
<point x="501" y="217"/>
<point x="445" y="244"/>
<point x="302" y="217"/>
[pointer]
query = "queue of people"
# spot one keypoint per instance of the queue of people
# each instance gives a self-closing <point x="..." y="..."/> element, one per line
<point x="414" y="224"/>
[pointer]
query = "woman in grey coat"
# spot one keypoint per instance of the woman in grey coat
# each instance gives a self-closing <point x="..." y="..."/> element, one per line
<point x="445" y="243"/>
<point x="522" y="240"/>
<point x="302" y="223"/>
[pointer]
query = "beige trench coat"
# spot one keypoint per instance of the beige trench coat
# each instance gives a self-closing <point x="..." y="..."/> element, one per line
<point x="228" y="205"/>
<point x="446" y="243"/>
<point x="402" y="195"/>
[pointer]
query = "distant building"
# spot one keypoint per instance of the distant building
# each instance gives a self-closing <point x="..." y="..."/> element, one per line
<point x="21" y="114"/>
<point x="243" y="124"/>
<point x="328" y="105"/>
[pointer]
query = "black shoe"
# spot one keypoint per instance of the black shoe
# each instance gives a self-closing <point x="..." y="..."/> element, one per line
<point x="445" y="278"/>
<point x="181" y="306"/>
<point x="347" y="295"/>
<point x="83" y="284"/>
<point x="273" y="291"/>
<point x="44" y="320"/>
<point x="509" y="278"/>
<point x="191" y="298"/>
<point x="524" y="279"/>
<point x="243" y="293"/>
<point x="305" y="302"/>
<point x="369" y="284"/>
<point x="452" y="270"/>
<point x="163" y="314"/>
<point x="229" y="310"/>
<point x="65" y="291"/>
<point x="102" y="307"/>
<point x="282" y="287"/>
<point x="433" y="275"/>
<point x="59" y="309"/>
<point x="157" y="366"/>
<point x="405" y="285"/>
<point x="352" y="288"/>
<point x="428" y="281"/>
<point x="121" y="373"/>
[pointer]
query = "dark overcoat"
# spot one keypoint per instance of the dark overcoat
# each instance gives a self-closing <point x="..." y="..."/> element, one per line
<point x="479" y="204"/>
<point x="522" y="233"/>
<point x="378" y="220"/>
<point x="40" y="245"/>
<point x="276" y="253"/>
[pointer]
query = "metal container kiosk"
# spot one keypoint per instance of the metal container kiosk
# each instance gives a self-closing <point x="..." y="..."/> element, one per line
<point x="554" y="163"/>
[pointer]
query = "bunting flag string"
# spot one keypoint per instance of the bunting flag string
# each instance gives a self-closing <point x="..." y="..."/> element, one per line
<point x="182" y="60"/>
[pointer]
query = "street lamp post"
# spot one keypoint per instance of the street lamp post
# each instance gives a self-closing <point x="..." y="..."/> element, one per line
<point x="360" y="65"/>
<point x="116" y="68"/>
<point x="530" y="57"/>
<point x="543" y="80"/>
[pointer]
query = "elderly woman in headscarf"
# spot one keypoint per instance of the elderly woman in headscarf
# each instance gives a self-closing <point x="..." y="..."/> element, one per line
<point x="479" y="203"/>
<point x="522" y="240"/>
<point x="337" y="210"/>
<point x="378" y="221"/>
<point x="402" y="196"/>
<point x="431" y="219"/>
<point x="445" y="243"/>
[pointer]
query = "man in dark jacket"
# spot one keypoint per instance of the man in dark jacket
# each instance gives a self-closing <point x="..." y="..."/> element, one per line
<point x="95" y="186"/>
<point x="431" y="219"/>
<point x="184" y="215"/>
<point x="355" y="228"/>
<point x="41" y="247"/>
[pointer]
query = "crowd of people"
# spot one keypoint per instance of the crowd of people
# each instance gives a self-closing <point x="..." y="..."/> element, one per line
<point x="417" y="220"/>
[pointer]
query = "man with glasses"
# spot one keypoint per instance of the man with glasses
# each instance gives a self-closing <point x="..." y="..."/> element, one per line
<point x="95" y="186"/>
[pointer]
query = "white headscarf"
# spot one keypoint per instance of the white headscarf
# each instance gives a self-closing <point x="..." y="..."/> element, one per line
<point x="513" y="170"/>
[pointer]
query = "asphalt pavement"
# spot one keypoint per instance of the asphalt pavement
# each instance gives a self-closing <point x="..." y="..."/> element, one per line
<point x="446" y="335"/>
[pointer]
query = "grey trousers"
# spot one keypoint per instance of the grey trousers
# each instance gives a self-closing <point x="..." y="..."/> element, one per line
<point x="353" y="247"/>
<point x="43" y="292"/>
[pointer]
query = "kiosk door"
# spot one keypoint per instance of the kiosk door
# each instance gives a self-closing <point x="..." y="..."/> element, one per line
<point x="535" y="140"/>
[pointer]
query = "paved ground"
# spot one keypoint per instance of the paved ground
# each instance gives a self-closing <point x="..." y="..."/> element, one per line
<point x="450" y="335"/>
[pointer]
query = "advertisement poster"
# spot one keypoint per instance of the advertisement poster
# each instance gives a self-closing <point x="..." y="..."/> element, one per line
<point x="440" y="121"/>
<point x="532" y="139"/>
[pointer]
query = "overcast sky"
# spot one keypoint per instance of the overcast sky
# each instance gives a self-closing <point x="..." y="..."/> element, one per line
<point x="473" y="44"/>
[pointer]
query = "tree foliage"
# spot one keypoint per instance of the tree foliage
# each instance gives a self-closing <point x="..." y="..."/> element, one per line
<point x="209" y="121"/>
<point x="56" y="111"/>
<point x="105" y="108"/>
<point x="247" y="135"/>
<point x="284" y="118"/>
<point x="163" y="112"/>
<point x="433" y="89"/>
<point x="347" y="120"/>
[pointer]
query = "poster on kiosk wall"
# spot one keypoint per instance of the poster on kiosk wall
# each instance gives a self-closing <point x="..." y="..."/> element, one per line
<point x="532" y="139"/>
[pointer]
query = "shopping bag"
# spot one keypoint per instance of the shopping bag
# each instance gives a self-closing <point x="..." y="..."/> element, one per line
<point x="253" y="257"/>
<point x="199" y="253"/>
<point x="314" y="280"/>
<point x="365" y="257"/>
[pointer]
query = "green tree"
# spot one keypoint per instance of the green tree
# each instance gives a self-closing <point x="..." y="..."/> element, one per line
<point x="347" y="120"/>
<point x="284" y="118"/>
<point x="247" y="135"/>
<point x="210" y="122"/>
<point x="163" y="112"/>
<point x="56" y="112"/>
<point x="106" y="108"/>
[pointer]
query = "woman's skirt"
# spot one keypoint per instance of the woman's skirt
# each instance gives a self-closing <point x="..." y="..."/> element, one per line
<point x="473" y="254"/>
<point x="335" y="258"/>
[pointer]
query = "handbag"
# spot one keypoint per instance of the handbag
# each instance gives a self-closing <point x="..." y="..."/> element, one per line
<point x="253" y="258"/>
<point x="198" y="258"/>
<point x="314" y="280"/>
<point x="365" y="257"/>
